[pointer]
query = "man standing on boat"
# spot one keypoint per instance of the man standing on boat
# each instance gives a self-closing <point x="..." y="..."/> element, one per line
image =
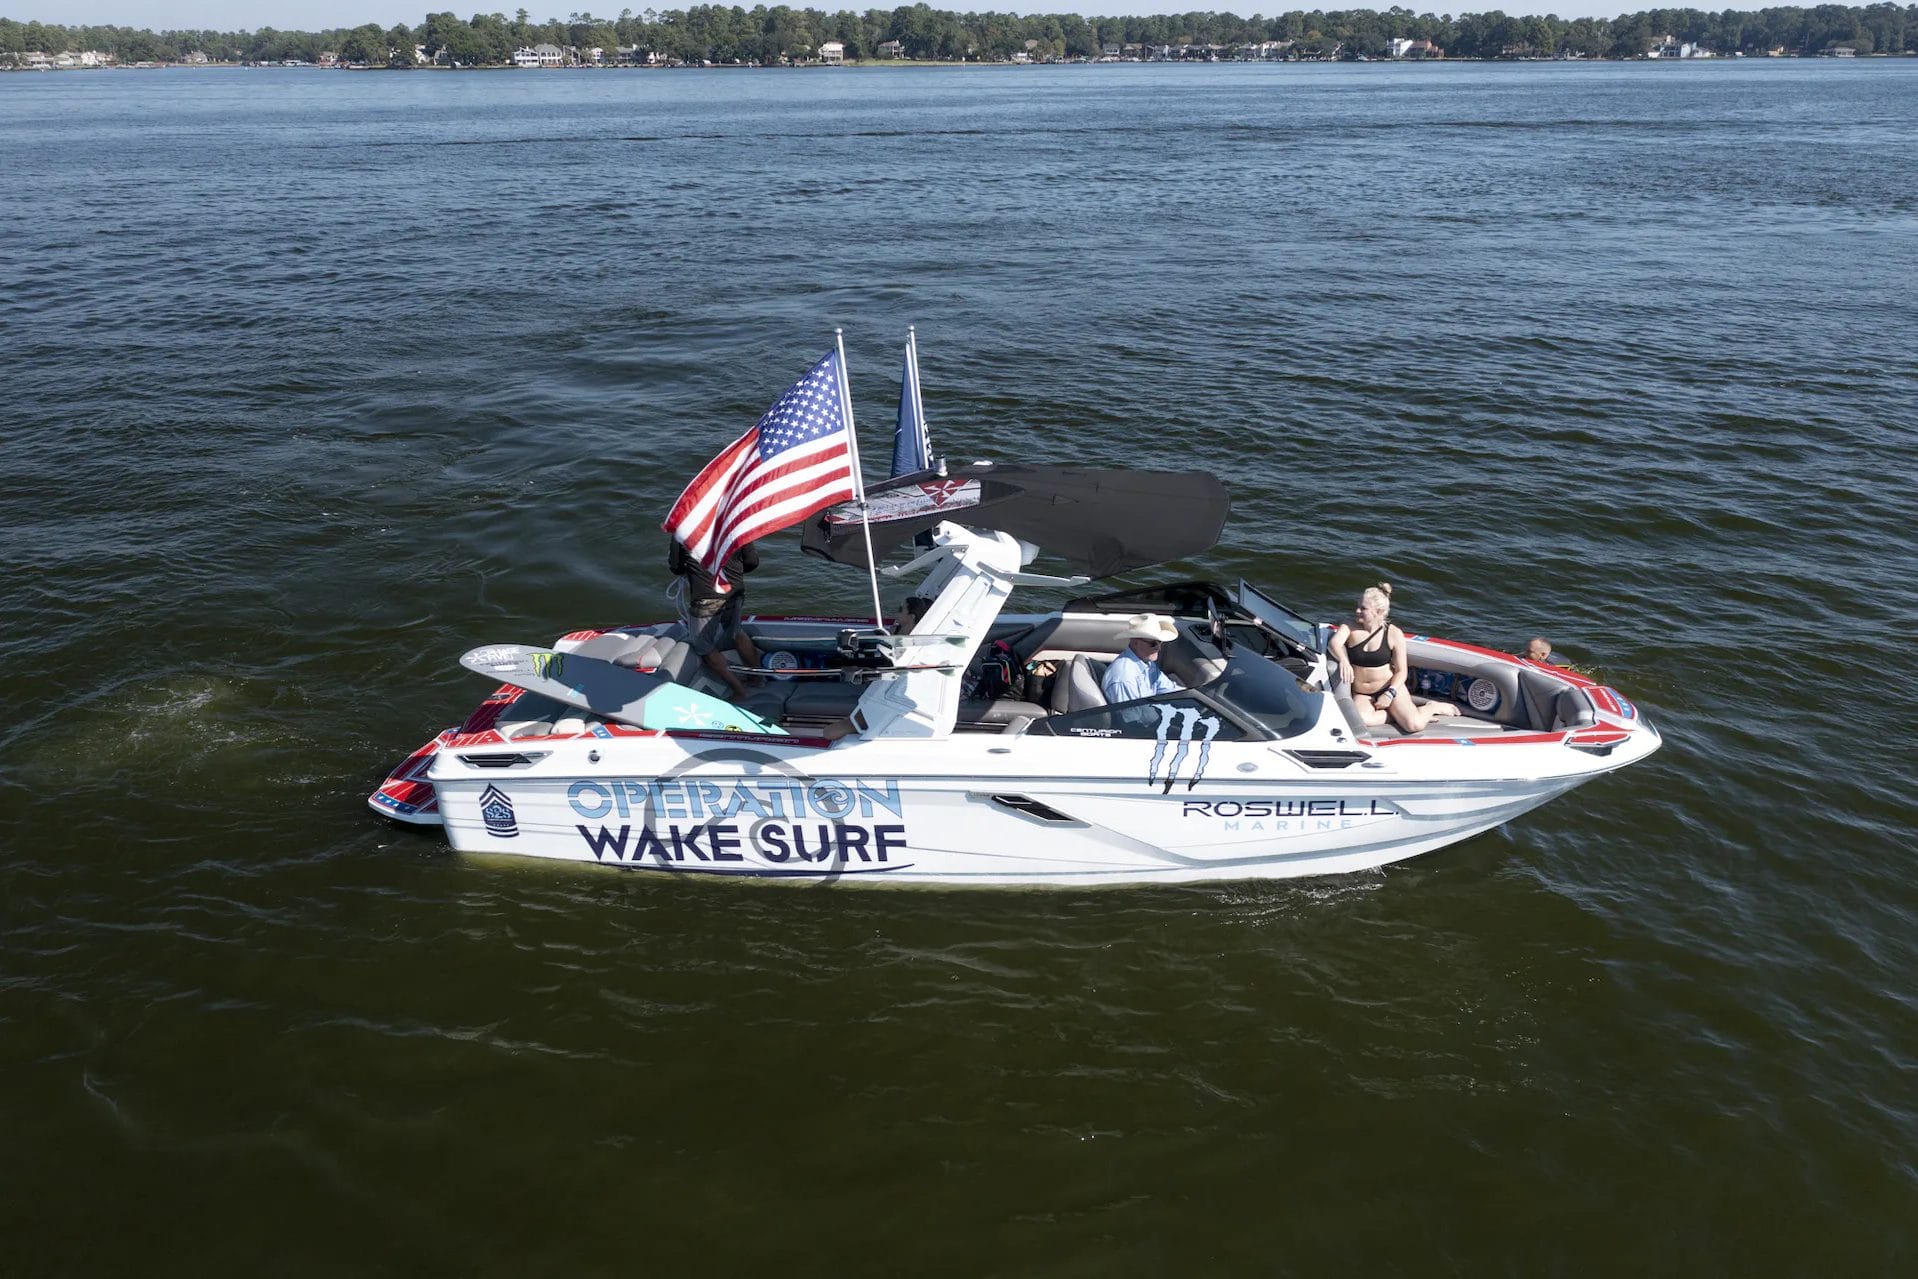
<point x="712" y="610"/>
<point x="1135" y="672"/>
<point x="796" y="461"/>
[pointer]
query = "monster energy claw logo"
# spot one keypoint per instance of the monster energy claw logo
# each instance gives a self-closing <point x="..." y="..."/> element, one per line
<point x="548" y="665"/>
<point x="1190" y="720"/>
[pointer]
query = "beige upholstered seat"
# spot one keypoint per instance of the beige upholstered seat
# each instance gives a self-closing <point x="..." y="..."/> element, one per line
<point x="1077" y="687"/>
<point x="662" y="649"/>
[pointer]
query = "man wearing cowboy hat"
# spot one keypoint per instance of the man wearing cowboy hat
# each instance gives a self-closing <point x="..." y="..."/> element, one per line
<point x="1135" y="672"/>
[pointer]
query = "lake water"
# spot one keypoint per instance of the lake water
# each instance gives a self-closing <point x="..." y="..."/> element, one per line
<point x="309" y="382"/>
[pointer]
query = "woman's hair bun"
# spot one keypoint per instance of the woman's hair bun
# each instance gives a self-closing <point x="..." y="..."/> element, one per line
<point x="1385" y="588"/>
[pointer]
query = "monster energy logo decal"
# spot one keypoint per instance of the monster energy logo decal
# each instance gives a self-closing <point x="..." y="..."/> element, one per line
<point x="548" y="665"/>
<point x="1191" y="722"/>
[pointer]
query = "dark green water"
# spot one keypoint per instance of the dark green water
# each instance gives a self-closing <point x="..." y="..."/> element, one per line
<point x="313" y="381"/>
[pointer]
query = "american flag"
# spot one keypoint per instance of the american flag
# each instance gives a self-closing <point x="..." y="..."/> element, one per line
<point x="796" y="461"/>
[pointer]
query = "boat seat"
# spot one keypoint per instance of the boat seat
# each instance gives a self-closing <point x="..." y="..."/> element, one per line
<point x="1537" y="694"/>
<point x="1441" y="726"/>
<point x="998" y="711"/>
<point x="1552" y="705"/>
<point x="1342" y="698"/>
<point x="768" y="701"/>
<point x="1186" y="661"/>
<point x="823" y="699"/>
<point x="1077" y="687"/>
<point x="1572" y="709"/>
<point x="664" y="650"/>
<point x="531" y="715"/>
<point x="1444" y="726"/>
<point x="1096" y="633"/>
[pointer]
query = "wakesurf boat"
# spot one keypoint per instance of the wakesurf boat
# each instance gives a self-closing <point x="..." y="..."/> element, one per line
<point x="879" y="754"/>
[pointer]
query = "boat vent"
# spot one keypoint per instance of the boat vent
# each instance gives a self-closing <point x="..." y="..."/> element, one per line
<point x="1329" y="759"/>
<point x="504" y="759"/>
<point x="1031" y="807"/>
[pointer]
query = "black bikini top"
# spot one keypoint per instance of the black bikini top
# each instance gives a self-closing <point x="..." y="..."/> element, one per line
<point x="1357" y="654"/>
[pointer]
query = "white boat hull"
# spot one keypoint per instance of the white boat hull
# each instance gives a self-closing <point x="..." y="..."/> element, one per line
<point x="758" y="812"/>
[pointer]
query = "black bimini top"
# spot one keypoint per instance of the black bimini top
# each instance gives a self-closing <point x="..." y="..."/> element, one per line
<point x="1103" y="519"/>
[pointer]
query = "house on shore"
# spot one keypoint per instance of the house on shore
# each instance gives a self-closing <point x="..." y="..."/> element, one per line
<point x="1671" y="47"/>
<point x="68" y="61"/>
<point x="833" y="53"/>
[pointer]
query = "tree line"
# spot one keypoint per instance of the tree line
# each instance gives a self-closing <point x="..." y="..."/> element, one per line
<point x="718" y="34"/>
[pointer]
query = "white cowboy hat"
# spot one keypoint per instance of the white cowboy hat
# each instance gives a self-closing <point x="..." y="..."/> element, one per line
<point x="1149" y="626"/>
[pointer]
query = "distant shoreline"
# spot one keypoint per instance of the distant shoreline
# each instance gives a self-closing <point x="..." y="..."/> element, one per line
<point x="910" y="64"/>
<point x="714" y="36"/>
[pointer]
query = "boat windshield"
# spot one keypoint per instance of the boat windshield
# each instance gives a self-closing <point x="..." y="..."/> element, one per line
<point x="1281" y="619"/>
<point x="1265" y="692"/>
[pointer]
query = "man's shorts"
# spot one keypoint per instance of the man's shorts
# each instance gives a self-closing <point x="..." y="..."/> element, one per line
<point x="709" y="632"/>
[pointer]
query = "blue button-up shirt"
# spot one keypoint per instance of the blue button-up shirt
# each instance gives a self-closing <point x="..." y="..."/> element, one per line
<point x="1131" y="677"/>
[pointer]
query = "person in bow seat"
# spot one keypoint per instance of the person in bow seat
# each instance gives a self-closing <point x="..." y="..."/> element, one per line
<point x="1370" y="651"/>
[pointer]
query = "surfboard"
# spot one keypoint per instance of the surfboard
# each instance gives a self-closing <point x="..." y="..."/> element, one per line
<point x="609" y="691"/>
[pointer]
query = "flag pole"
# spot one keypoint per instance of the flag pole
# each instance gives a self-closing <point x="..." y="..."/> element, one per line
<point x="858" y="479"/>
<point x="918" y="405"/>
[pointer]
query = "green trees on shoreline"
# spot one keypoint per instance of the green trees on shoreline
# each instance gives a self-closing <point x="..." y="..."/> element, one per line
<point x="723" y="34"/>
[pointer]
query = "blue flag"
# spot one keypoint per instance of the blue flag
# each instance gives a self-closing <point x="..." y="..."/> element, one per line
<point x="911" y="446"/>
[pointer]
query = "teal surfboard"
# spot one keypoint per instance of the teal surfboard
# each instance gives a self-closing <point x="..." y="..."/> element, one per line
<point x="611" y="692"/>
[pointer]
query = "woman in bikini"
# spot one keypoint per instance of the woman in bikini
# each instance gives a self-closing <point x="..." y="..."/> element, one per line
<point x="1371" y="657"/>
